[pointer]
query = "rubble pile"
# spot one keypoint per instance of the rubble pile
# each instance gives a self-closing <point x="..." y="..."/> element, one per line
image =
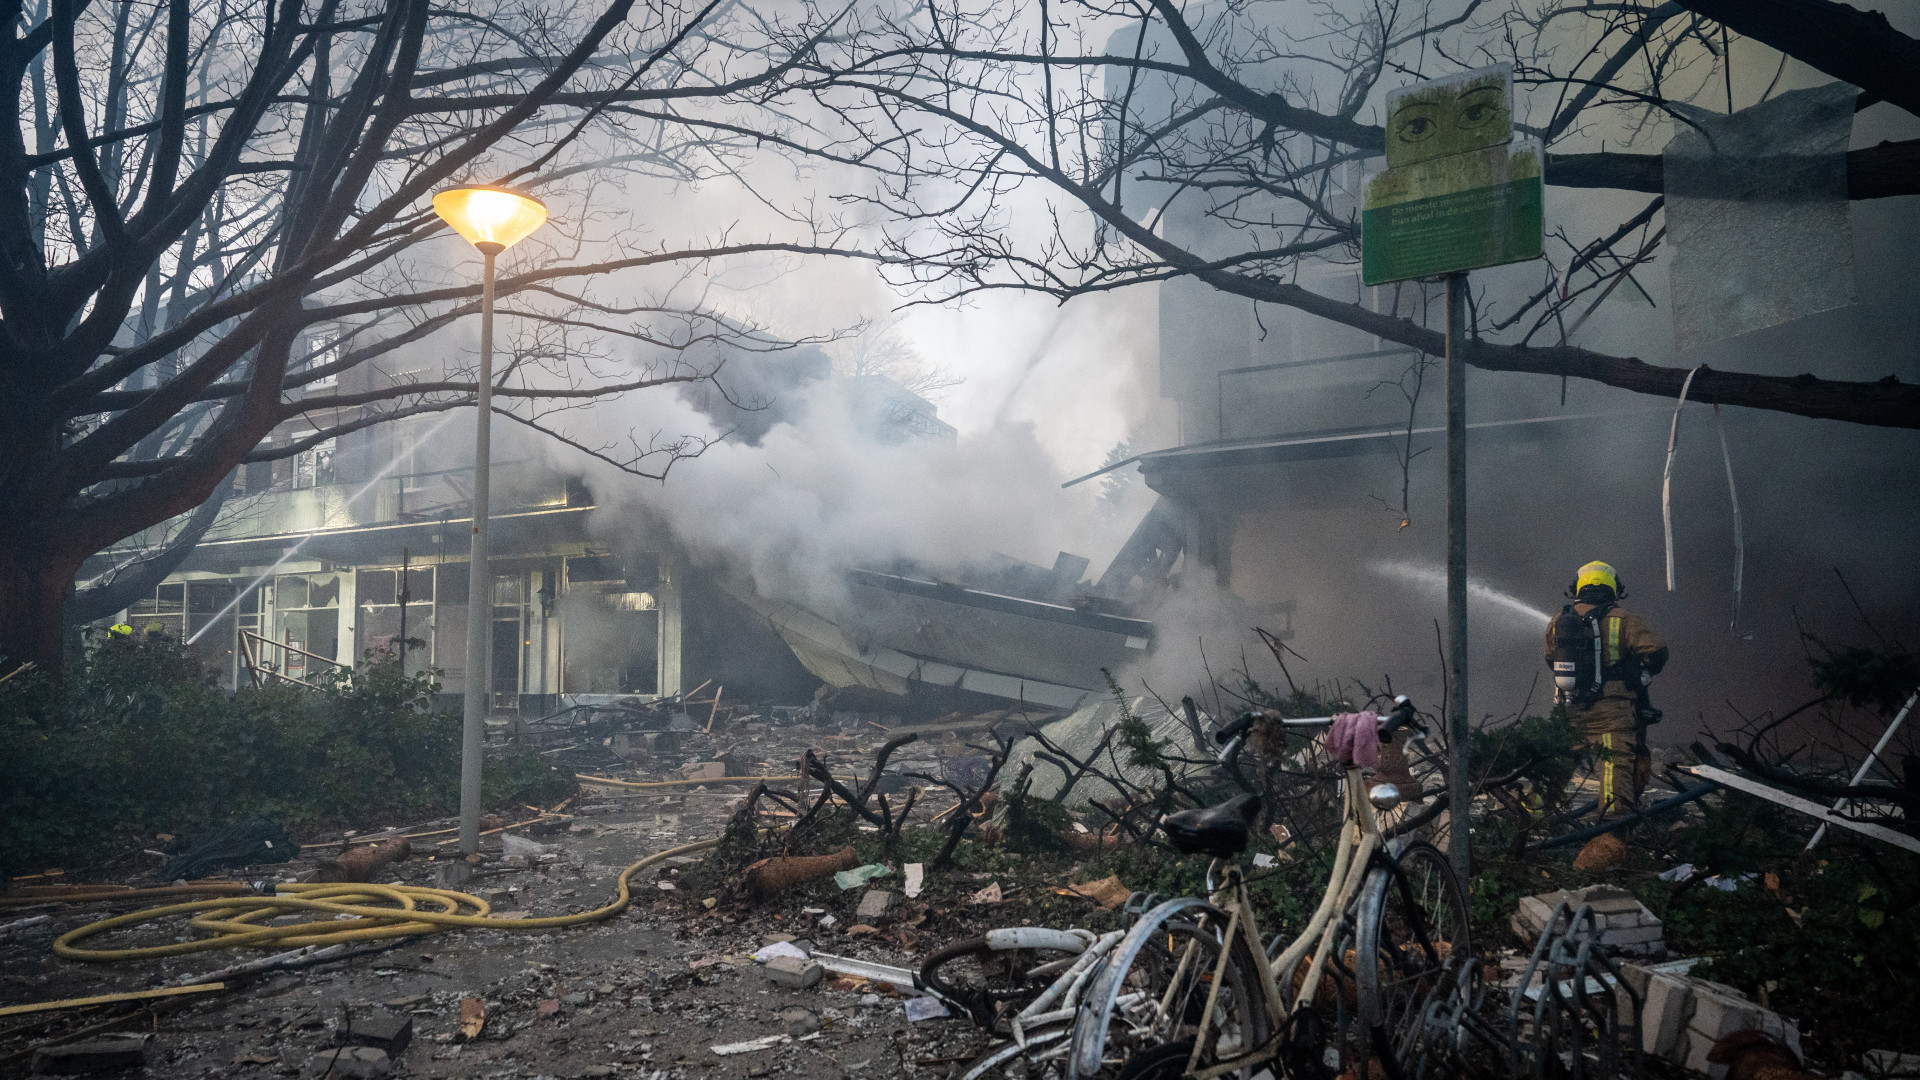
<point x="1683" y="1016"/>
<point x="1625" y="925"/>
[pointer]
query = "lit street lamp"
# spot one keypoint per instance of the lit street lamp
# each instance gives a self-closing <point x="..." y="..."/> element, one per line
<point x="492" y="219"/>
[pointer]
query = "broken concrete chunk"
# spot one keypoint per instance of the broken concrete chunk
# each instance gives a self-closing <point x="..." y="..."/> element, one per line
<point x="1663" y="1019"/>
<point x="1624" y="923"/>
<point x="452" y="875"/>
<point x="798" y="1021"/>
<point x="1683" y="1016"/>
<point x="704" y="770"/>
<point x="874" y="905"/>
<point x="381" y="1030"/>
<point x="793" y="972"/>
<point x="1891" y="1063"/>
<point x="93" y="1055"/>
<point x="351" y="1063"/>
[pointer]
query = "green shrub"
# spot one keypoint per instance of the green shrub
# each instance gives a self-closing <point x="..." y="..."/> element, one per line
<point x="138" y="741"/>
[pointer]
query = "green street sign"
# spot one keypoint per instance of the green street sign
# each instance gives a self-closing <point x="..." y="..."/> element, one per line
<point x="1461" y="212"/>
<point x="1458" y="193"/>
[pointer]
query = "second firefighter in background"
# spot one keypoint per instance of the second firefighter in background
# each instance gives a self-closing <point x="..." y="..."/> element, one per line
<point x="1603" y="657"/>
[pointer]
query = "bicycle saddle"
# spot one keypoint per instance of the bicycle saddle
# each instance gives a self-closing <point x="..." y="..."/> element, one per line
<point x="1219" y="831"/>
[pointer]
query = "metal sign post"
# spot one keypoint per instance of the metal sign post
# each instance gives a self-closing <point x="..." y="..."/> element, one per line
<point x="1458" y="193"/>
<point x="1460" y="733"/>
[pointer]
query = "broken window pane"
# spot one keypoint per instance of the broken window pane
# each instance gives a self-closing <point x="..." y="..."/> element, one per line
<point x="1757" y="214"/>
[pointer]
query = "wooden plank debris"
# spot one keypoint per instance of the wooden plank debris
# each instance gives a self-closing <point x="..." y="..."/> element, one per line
<point x="1806" y="806"/>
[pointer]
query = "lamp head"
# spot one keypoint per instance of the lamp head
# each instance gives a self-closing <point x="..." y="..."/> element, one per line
<point x="492" y="219"/>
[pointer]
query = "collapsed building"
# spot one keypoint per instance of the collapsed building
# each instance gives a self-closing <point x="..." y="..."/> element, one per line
<point x="361" y="546"/>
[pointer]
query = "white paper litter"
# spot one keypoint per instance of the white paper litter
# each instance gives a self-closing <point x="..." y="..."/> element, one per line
<point x="511" y="846"/>
<point x="765" y="1042"/>
<point x="780" y="948"/>
<point x="916" y="878"/>
<point x="925" y="1008"/>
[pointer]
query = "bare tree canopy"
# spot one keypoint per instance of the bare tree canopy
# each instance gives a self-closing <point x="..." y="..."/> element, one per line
<point x="1225" y="143"/>
<point x="220" y="221"/>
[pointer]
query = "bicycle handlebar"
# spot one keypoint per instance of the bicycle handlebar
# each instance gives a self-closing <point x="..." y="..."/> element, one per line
<point x="1403" y="715"/>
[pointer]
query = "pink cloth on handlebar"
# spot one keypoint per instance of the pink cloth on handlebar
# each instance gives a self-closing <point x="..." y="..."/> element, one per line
<point x="1355" y="739"/>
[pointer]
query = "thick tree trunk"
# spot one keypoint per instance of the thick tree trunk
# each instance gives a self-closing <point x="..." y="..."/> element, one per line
<point x="35" y="578"/>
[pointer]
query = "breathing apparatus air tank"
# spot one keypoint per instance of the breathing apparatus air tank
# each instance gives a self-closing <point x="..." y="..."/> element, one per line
<point x="1576" y="656"/>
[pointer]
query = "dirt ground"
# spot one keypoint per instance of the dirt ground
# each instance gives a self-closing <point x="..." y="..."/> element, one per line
<point x="647" y="993"/>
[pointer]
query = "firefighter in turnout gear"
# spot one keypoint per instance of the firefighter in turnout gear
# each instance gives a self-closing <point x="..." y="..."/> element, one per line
<point x="1603" y="657"/>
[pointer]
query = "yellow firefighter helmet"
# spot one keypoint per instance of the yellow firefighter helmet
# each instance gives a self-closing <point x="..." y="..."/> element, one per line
<point x="1596" y="573"/>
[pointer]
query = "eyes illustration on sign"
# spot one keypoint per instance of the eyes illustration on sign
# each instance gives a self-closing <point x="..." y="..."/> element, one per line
<point x="1446" y="117"/>
<point x="1481" y="108"/>
<point x="1417" y="123"/>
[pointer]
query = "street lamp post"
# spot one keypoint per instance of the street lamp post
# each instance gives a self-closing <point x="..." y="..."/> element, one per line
<point x="492" y="219"/>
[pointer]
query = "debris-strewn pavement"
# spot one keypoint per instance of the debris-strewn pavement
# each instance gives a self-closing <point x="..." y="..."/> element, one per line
<point x="648" y="993"/>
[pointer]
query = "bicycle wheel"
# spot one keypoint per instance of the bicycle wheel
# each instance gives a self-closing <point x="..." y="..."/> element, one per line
<point x="1410" y="923"/>
<point x="1162" y="999"/>
<point x="990" y="983"/>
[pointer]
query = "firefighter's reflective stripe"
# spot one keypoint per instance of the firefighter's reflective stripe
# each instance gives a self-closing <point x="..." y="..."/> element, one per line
<point x="1613" y="641"/>
<point x="1606" y="773"/>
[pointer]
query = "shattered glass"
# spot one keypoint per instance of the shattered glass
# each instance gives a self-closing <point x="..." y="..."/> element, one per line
<point x="1757" y="214"/>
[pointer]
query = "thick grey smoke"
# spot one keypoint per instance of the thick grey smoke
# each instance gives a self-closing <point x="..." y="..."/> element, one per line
<point x="821" y="490"/>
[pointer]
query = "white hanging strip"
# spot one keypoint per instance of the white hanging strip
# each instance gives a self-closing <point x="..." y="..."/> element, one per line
<point x="1666" y="478"/>
<point x="1739" y="539"/>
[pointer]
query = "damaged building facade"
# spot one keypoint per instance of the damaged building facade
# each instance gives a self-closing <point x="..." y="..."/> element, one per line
<point x="1305" y="475"/>
<point x="319" y="558"/>
<point x="341" y="550"/>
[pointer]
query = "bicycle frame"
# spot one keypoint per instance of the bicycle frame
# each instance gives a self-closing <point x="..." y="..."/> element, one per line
<point x="1360" y="838"/>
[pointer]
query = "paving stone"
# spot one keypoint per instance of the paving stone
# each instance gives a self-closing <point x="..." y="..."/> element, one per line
<point x="93" y="1055"/>
<point x="793" y="972"/>
<point x="383" y="1030"/>
<point x="351" y="1063"/>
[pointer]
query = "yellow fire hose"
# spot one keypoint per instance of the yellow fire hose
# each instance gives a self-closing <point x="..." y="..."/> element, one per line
<point x="232" y="921"/>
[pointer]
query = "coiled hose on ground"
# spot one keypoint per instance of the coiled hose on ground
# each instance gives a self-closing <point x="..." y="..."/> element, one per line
<point x="234" y="921"/>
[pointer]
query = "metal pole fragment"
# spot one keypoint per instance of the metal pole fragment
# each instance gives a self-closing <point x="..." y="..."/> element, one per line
<point x="479" y="583"/>
<point x="1841" y="805"/>
<point x="1460" y="783"/>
